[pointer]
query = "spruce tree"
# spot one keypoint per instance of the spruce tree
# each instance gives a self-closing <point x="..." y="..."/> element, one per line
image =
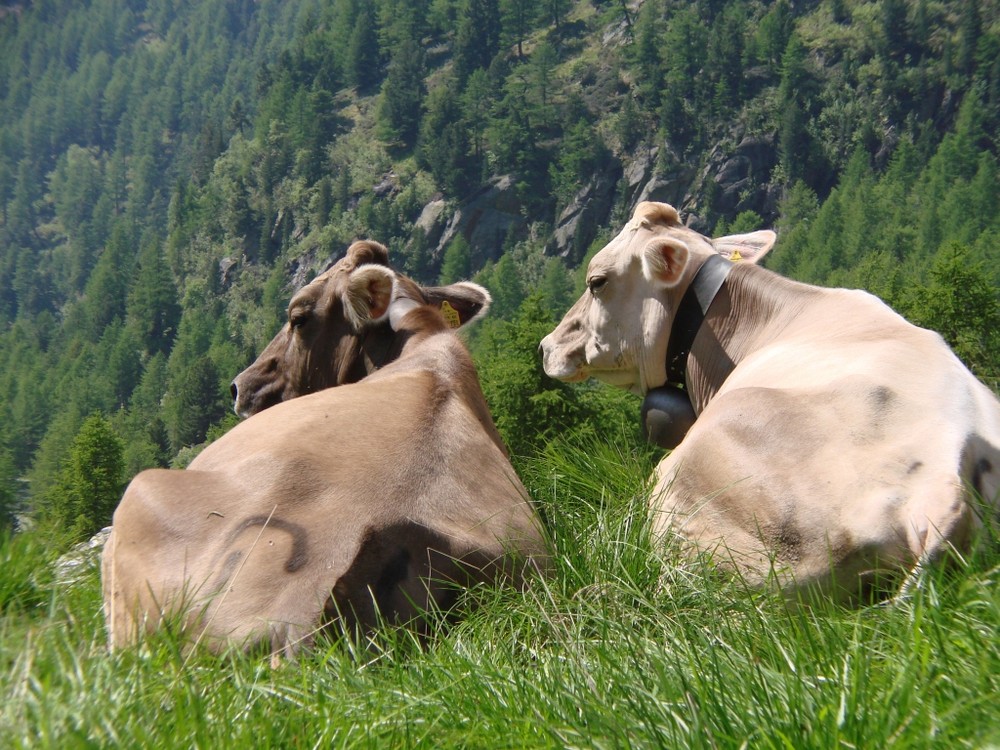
<point x="91" y="481"/>
<point x="477" y="39"/>
<point x="402" y="95"/>
<point x="152" y="310"/>
<point x="363" y="50"/>
<point x="457" y="258"/>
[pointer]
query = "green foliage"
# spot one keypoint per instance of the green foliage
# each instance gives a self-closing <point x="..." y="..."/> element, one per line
<point x="556" y="287"/>
<point x="402" y="95"/>
<point x="518" y="17"/>
<point x="582" y="153"/>
<point x="747" y="221"/>
<point x="531" y="409"/>
<point x="505" y="286"/>
<point x="444" y="140"/>
<point x="26" y="563"/>
<point x="363" y="49"/>
<point x="10" y="503"/>
<point x="477" y="38"/>
<point x="194" y="401"/>
<point x="90" y="483"/>
<point x="455" y="264"/>
<point x="151" y="308"/>
<point x="962" y="302"/>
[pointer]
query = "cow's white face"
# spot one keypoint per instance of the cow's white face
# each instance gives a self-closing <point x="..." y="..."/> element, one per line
<point x="617" y="331"/>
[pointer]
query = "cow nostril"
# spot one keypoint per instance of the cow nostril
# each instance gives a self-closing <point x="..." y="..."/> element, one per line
<point x="233" y="390"/>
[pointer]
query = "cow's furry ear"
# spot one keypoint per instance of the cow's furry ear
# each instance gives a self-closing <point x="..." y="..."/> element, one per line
<point x="749" y="247"/>
<point x="460" y="303"/>
<point x="369" y="292"/>
<point x="367" y="251"/>
<point x="664" y="260"/>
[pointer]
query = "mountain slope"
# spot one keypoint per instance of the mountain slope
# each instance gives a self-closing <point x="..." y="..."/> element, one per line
<point x="170" y="171"/>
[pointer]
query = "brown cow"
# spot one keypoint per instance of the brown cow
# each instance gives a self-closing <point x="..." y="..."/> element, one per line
<point x="834" y="441"/>
<point x="370" y="502"/>
<point x="323" y="345"/>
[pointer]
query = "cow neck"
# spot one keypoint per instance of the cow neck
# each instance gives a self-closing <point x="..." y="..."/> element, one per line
<point x="379" y="346"/>
<point x="751" y="309"/>
<point x="384" y="343"/>
<point x="690" y="316"/>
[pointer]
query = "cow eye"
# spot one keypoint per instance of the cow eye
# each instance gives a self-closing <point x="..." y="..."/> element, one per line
<point x="299" y="318"/>
<point x="597" y="284"/>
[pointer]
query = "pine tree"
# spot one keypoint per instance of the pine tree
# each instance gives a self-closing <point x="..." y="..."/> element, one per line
<point x="517" y="17"/>
<point x="505" y="286"/>
<point x="194" y="401"/>
<point x="478" y="37"/>
<point x="105" y="293"/>
<point x="962" y="303"/>
<point x="646" y="54"/>
<point x="444" y="143"/>
<point x="402" y="95"/>
<point x="455" y="265"/>
<point x="529" y="407"/>
<point x="363" y="51"/>
<point x="151" y="309"/>
<point x="9" y="503"/>
<point x="970" y="27"/>
<point x="894" y="38"/>
<point x="91" y="482"/>
<point x="556" y="287"/>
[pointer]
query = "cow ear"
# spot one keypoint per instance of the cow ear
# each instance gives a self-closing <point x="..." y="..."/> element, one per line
<point x="367" y="251"/>
<point x="369" y="291"/>
<point x="749" y="247"/>
<point x="460" y="303"/>
<point x="664" y="260"/>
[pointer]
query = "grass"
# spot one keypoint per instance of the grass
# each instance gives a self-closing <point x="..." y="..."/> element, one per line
<point x="623" y="646"/>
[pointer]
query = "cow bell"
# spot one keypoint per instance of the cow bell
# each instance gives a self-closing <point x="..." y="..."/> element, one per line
<point x="667" y="415"/>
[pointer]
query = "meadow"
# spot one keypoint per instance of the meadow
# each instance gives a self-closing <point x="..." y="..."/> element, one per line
<point x="624" y="645"/>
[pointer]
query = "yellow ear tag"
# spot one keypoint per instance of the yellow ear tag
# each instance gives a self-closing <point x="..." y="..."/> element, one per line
<point x="451" y="315"/>
<point x="735" y="256"/>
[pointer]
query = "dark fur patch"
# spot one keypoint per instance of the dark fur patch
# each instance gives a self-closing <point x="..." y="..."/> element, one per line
<point x="982" y="467"/>
<point x="394" y="573"/>
<point x="300" y="542"/>
<point x="787" y="542"/>
<point x="881" y="396"/>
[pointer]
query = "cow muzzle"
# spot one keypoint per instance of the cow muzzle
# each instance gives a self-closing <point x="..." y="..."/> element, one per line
<point x="252" y="393"/>
<point x="559" y="364"/>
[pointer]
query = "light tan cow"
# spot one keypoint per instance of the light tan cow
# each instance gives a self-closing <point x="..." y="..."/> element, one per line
<point x="834" y="441"/>
<point x="366" y="503"/>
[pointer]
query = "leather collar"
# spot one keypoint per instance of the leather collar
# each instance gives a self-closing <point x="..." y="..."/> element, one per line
<point x="691" y="314"/>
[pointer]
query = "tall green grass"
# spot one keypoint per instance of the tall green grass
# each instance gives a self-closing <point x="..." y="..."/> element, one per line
<point x="622" y="646"/>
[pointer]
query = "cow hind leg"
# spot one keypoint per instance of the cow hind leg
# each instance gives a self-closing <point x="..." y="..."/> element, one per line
<point x="941" y="522"/>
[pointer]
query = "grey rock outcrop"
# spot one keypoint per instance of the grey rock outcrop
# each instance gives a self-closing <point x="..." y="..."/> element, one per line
<point x="578" y="223"/>
<point x="72" y="567"/>
<point x="432" y="221"/>
<point x="485" y="220"/>
<point x="734" y="179"/>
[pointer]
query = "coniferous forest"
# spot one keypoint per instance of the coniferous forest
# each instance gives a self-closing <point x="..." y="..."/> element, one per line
<point x="170" y="172"/>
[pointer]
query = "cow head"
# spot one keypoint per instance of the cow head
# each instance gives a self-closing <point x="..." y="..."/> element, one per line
<point x="338" y="328"/>
<point x="617" y="331"/>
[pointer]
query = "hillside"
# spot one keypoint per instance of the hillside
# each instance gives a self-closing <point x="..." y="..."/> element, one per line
<point x="171" y="171"/>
